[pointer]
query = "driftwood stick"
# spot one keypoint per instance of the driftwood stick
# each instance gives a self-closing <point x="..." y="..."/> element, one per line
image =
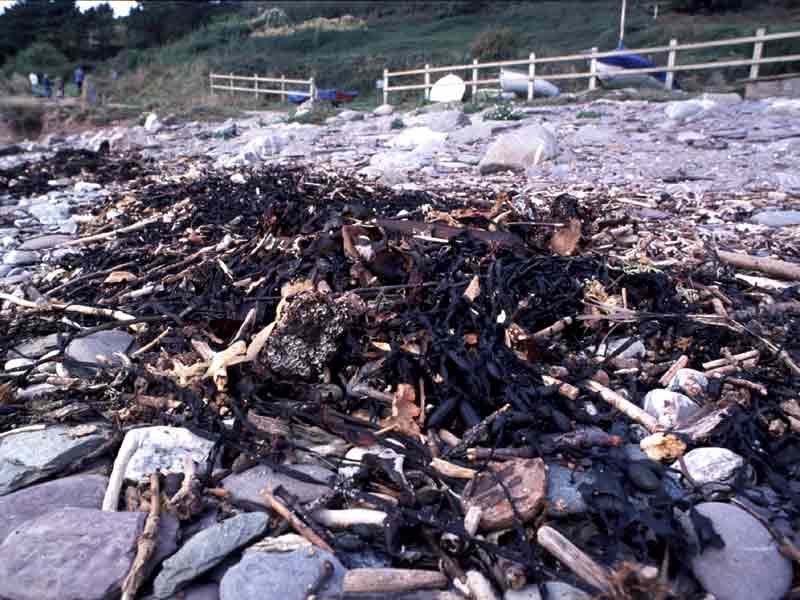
<point x="366" y="581"/>
<point x="110" y="234"/>
<point x="480" y="587"/>
<point x="626" y="407"/>
<point x="27" y="428"/>
<point x="346" y="518"/>
<point x="573" y="557"/>
<point x="76" y="308"/>
<point x="146" y="545"/>
<point x="296" y="524"/>
<point x="564" y="389"/>
<point x="553" y="329"/>
<point x="721" y="362"/>
<point x="152" y="343"/>
<point x="743" y="383"/>
<point x="449" y="469"/>
<point x="476" y="433"/>
<point x="770" y="266"/>
<point x="676" y="366"/>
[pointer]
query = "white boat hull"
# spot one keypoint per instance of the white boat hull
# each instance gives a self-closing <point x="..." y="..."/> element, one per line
<point x="613" y="76"/>
<point x="512" y="81"/>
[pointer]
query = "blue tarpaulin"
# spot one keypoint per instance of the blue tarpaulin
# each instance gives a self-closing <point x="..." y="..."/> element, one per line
<point x="333" y="95"/>
<point x="632" y="61"/>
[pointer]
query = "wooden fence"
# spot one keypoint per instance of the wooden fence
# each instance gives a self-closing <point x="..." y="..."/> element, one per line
<point x="758" y="40"/>
<point x="215" y="80"/>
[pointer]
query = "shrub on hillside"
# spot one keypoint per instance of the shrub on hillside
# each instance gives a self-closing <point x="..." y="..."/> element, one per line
<point x="41" y="57"/>
<point x="496" y="44"/>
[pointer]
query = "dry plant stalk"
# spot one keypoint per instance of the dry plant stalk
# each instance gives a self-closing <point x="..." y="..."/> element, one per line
<point x="295" y="522"/>
<point x="146" y="546"/>
<point x="573" y="557"/>
<point x="366" y="581"/>
<point x="626" y="407"/>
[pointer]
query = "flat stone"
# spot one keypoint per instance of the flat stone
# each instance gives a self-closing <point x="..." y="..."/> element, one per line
<point x="777" y="218"/>
<point x="69" y="553"/>
<point x="749" y="566"/>
<point x="594" y="135"/>
<point x="203" y="591"/>
<point x="713" y="465"/>
<point x="415" y="137"/>
<point x="563" y="496"/>
<point x="101" y="344"/>
<point x="246" y="487"/>
<point x="16" y="364"/>
<point x="470" y="134"/>
<point x="670" y="408"/>
<point x="689" y="382"/>
<point x="688" y="108"/>
<point x="21" y="257"/>
<point x="35" y="347"/>
<point x="558" y="590"/>
<point x="44" y="242"/>
<point x="79" y="491"/>
<point x="529" y="592"/>
<point x="280" y="576"/>
<point x="49" y="214"/>
<point x="31" y="456"/>
<point x="520" y="149"/>
<point x="206" y="550"/>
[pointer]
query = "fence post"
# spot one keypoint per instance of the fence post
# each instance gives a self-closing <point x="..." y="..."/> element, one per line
<point x="284" y="96"/>
<point x="386" y="86"/>
<point x="531" y="75"/>
<point x="758" y="49"/>
<point x="312" y="89"/>
<point x="427" y="83"/>
<point x="211" y="82"/>
<point x="474" y="80"/>
<point x="231" y="83"/>
<point x="671" y="60"/>
<point x="255" y="84"/>
<point x="593" y="71"/>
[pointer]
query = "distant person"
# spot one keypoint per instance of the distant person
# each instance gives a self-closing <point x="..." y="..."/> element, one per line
<point x="79" y="79"/>
<point x="59" y="87"/>
<point x="48" y="86"/>
<point x="34" y="79"/>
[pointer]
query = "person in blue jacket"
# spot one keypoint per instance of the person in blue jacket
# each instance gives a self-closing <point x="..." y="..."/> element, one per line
<point x="79" y="79"/>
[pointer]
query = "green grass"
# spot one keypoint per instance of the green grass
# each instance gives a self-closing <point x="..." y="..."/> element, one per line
<point x="589" y="114"/>
<point x="175" y="77"/>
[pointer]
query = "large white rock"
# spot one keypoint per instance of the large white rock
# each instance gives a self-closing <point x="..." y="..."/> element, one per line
<point x="713" y="465"/>
<point x="384" y="110"/>
<point x="685" y="109"/>
<point x="415" y="137"/>
<point x="520" y="149"/>
<point x="449" y="88"/>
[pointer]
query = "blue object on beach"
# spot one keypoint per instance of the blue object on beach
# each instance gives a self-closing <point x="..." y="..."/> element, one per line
<point x="332" y="95"/>
<point x="632" y="61"/>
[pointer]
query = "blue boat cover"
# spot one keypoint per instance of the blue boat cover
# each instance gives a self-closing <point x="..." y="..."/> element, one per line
<point x="632" y="61"/>
<point x="331" y="95"/>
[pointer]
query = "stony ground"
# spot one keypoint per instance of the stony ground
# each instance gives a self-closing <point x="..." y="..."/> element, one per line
<point x="714" y="171"/>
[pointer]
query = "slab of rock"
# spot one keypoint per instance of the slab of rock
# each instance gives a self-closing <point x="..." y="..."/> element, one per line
<point x="31" y="456"/>
<point x="713" y="465"/>
<point x="44" y="242"/>
<point x="21" y="257"/>
<point x="80" y="491"/>
<point x="688" y="108"/>
<point x="161" y="448"/>
<point x="206" y="550"/>
<point x="519" y="149"/>
<point x="470" y="134"/>
<point x="103" y="344"/>
<point x="246" y="487"/>
<point x="594" y="135"/>
<point x="49" y="213"/>
<point x="772" y="218"/>
<point x="526" y="482"/>
<point x="203" y="591"/>
<point x="70" y="553"/>
<point x="280" y="576"/>
<point x="558" y="590"/>
<point x="749" y="566"/>
<point x="670" y="408"/>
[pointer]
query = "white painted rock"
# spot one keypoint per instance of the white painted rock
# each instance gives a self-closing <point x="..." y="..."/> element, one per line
<point x="384" y="110"/>
<point x="151" y="123"/>
<point x="449" y="88"/>
<point x="670" y="408"/>
<point x="713" y="465"/>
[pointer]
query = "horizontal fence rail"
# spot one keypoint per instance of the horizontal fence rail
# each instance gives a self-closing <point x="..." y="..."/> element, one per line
<point x="260" y="85"/>
<point x="592" y="57"/>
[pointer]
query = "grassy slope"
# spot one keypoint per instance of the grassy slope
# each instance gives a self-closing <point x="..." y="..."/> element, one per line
<point x="175" y="77"/>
